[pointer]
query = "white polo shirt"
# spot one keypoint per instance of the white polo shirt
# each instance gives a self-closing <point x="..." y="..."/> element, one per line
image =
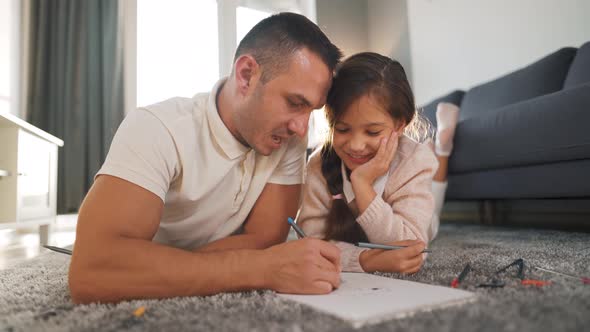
<point x="181" y="150"/>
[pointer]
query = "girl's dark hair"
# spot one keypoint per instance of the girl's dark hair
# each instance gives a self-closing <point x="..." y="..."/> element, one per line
<point x="385" y="81"/>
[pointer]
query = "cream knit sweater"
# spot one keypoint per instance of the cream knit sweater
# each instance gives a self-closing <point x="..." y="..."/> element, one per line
<point x="403" y="212"/>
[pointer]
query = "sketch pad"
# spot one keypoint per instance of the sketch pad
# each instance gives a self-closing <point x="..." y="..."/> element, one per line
<point x="368" y="299"/>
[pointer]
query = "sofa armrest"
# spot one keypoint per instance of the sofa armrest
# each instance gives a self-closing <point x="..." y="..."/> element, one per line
<point x="429" y="110"/>
<point x="549" y="128"/>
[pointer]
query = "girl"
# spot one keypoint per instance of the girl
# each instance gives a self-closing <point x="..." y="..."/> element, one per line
<point x="370" y="182"/>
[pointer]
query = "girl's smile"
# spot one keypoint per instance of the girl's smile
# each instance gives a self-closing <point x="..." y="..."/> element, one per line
<point x="358" y="159"/>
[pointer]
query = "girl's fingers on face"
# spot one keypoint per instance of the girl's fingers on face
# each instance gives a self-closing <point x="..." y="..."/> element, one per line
<point x="391" y="147"/>
<point x="380" y="158"/>
<point x="392" y="138"/>
<point x="381" y="152"/>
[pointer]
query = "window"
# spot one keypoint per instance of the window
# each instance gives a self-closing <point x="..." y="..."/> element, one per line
<point x="177" y="49"/>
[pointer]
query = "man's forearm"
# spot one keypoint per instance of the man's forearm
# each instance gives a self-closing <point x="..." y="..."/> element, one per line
<point x="241" y="241"/>
<point x="132" y="268"/>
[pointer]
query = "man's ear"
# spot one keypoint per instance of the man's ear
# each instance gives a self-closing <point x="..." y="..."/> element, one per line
<point x="247" y="73"/>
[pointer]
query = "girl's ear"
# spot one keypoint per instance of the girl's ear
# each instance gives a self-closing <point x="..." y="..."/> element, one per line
<point x="399" y="128"/>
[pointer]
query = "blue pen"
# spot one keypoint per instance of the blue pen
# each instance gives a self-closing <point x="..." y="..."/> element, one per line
<point x="298" y="230"/>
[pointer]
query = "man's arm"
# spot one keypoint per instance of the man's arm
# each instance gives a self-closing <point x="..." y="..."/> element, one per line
<point x="267" y="223"/>
<point x="115" y="259"/>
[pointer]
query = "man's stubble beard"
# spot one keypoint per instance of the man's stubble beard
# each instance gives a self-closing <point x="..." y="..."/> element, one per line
<point x="246" y="122"/>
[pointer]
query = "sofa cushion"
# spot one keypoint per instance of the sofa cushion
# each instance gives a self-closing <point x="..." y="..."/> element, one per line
<point x="556" y="180"/>
<point x="429" y="110"/>
<point x="579" y="72"/>
<point x="547" y="129"/>
<point x="542" y="77"/>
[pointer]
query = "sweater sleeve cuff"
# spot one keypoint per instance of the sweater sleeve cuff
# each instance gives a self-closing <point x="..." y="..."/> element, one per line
<point x="350" y="257"/>
<point x="374" y="216"/>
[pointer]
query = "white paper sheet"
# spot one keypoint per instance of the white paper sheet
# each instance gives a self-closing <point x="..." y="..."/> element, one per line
<point x="367" y="299"/>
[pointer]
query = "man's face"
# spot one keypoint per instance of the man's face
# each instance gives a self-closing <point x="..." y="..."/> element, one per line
<point x="279" y="109"/>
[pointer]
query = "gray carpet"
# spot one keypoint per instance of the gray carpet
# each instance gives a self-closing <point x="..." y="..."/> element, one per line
<point x="34" y="295"/>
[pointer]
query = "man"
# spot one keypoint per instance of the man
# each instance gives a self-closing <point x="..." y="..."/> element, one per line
<point x="194" y="195"/>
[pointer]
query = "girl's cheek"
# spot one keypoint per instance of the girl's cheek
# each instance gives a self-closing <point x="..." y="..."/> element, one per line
<point x="337" y="139"/>
<point x="337" y="143"/>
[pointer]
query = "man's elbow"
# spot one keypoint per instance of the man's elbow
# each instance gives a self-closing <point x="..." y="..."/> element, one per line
<point x="79" y="290"/>
<point x="83" y="287"/>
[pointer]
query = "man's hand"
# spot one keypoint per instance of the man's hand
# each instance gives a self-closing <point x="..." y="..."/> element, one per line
<point x="306" y="266"/>
<point x="407" y="260"/>
<point x="368" y="172"/>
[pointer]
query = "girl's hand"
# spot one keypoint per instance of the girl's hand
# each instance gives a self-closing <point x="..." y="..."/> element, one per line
<point x="368" y="172"/>
<point x="407" y="260"/>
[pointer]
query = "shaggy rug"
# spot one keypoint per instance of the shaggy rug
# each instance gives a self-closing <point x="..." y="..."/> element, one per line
<point x="34" y="295"/>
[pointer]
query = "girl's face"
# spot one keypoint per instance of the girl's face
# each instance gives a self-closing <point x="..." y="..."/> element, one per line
<point x="359" y="130"/>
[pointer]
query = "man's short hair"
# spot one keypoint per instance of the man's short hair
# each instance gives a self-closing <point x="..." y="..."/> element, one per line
<point x="275" y="39"/>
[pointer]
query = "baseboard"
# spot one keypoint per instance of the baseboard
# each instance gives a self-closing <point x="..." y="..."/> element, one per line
<point x="561" y="214"/>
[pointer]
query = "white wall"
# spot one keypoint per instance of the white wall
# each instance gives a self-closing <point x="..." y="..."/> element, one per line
<point x="461" y="43"/>
<point x="345" y="23"/>
<point x="388" y="31"/>
<point x="9" y="59"/>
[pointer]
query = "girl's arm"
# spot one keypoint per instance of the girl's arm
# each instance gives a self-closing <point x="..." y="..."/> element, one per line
<point x="355" y="259"/>
<point x="406" y="212"/>
<point x="314" y="210"/>
<point x="316" y="200"/>
<point x="350" y="256"/>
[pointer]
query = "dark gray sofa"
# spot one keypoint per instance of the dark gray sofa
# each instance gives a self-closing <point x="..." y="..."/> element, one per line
<point x="525" y="135"/>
